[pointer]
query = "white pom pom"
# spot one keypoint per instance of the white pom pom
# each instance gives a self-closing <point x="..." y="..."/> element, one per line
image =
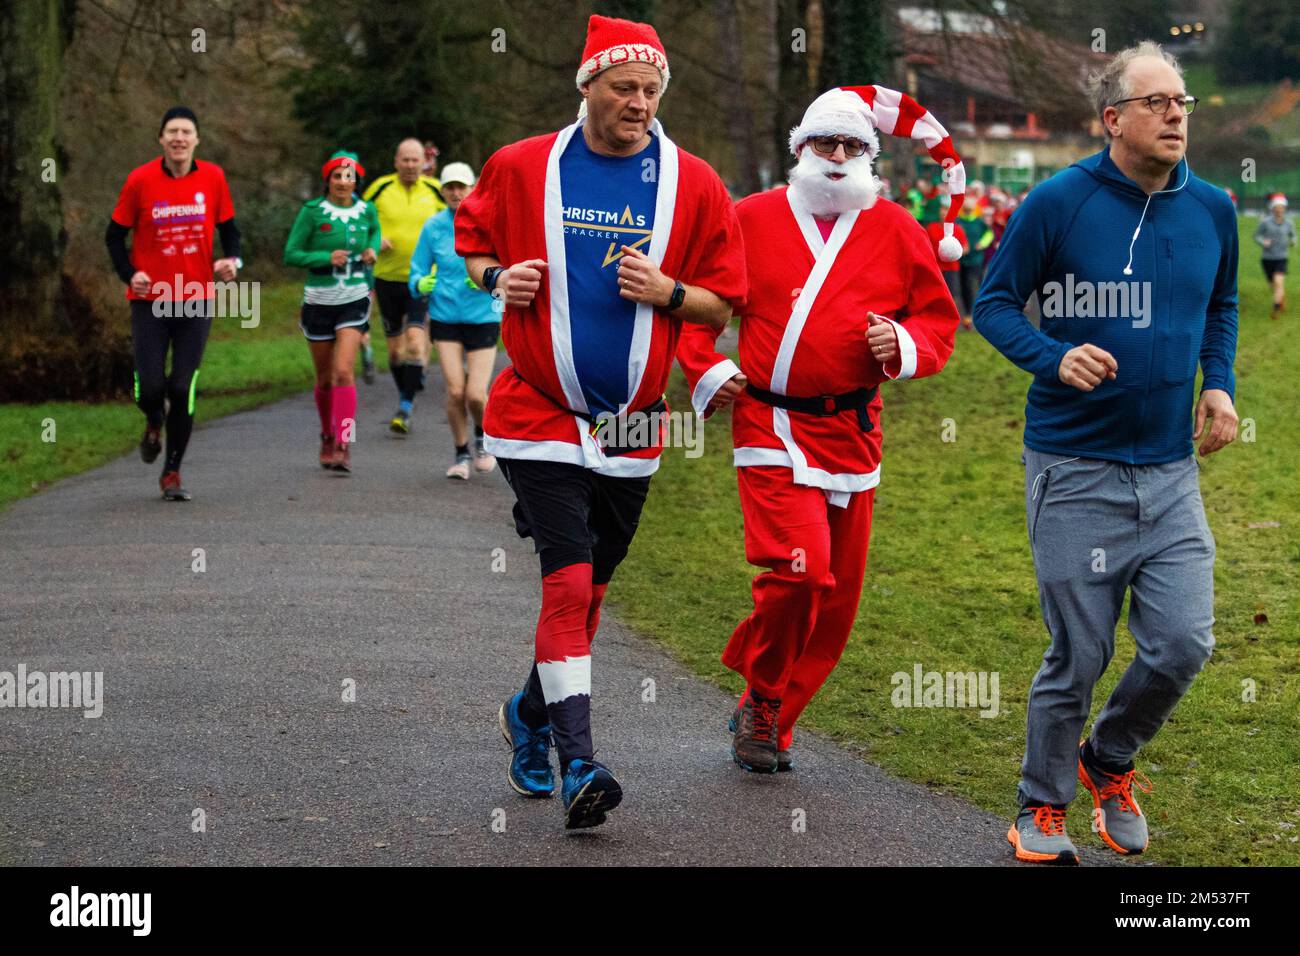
<point x="949" y="249"/>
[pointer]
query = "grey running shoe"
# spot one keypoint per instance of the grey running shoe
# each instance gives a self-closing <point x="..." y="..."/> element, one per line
<point x="754" y="743"/>
<point x="784" y="762"/>
<point x="1038" y="834"/>
<point x="460" y="469"/>
<point x="172" y="490"/>
<point x="1116" y="816"/>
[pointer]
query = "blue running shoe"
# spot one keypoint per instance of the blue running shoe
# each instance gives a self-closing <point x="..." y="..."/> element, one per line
<point x="530" y="767"/>
<point x="590" y="792"/>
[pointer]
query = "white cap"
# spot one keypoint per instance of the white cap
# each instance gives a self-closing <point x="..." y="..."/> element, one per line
<point x="457" y="173"/>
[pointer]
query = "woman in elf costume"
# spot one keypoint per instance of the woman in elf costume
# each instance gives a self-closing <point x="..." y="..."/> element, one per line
<point x="336" y="239"/>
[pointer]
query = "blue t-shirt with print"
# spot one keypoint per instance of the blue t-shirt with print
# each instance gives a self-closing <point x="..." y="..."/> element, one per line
<point x="609" y="202"/>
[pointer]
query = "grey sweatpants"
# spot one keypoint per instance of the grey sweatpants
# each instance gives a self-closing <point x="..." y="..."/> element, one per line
<point x="1097" y="529"/>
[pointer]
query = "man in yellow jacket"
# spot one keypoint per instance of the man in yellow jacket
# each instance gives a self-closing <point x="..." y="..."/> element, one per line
<point x="404" y="199"/>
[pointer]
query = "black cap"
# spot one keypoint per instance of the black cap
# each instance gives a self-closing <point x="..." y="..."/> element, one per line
<point x="182" y="112"/>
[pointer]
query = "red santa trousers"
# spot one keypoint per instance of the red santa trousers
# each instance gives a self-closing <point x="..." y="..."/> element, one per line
<point x="805" y="603"/>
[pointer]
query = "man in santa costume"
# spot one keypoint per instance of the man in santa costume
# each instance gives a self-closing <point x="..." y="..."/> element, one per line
<point x="844" y="293"/>
<point x="602" y="241"/>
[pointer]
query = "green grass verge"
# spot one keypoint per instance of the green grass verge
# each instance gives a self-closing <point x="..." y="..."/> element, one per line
<point x="242" y="368"/>
<point x="950" y="584"/>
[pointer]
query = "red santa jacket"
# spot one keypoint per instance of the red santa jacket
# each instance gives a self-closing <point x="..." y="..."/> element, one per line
<point x="803" y="333"/>
<point x="515" y="213"/>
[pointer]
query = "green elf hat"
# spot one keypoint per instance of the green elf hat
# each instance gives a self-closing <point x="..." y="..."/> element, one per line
<point x="342" y="158"/>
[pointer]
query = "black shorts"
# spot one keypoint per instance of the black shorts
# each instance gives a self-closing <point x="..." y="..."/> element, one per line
<point x="574" y="515"/>
<point x="472" y="335"/>
<point x="398" y="308"/>
<point x="320" y="323"/>
<point x="1273" y="267"/>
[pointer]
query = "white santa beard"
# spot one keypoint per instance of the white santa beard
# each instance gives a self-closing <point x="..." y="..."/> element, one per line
<point x="827" y="197"/>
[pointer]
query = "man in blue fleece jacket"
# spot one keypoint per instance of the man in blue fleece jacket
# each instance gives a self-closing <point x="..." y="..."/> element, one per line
<point x="1134" y="261"/>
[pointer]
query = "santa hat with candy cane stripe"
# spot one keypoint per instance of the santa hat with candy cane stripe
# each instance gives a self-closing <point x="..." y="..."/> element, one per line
<point x="860" y="111"/>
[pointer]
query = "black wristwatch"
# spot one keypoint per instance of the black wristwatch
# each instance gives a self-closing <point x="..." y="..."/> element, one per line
<point x="490" y="276"/>
<point x="677" y="298"/>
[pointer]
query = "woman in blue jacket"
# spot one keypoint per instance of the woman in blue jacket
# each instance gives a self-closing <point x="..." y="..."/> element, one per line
<point x="463" y="320"/>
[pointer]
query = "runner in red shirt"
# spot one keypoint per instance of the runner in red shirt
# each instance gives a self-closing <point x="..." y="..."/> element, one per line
<point x="951" y="271"/>
<point x="174" y="205"/>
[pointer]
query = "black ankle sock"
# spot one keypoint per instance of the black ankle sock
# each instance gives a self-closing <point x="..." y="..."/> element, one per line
<point x="462" y="450"/>
<point x="1090" y="760"/>
<point x="478" y="431"/>
<point x="532" y="705"/>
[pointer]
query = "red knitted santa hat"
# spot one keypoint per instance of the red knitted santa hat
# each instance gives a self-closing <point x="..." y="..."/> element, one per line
<point x="611" y="42"/>
<point x="1277" y="199"/>
<point x="861" y="110"/>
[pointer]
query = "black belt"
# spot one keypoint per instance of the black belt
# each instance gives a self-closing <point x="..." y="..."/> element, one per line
<point x="823" y="406"/>
<point x="329" y="270"/>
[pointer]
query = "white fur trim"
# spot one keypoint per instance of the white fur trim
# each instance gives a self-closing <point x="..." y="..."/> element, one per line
<point x="624" y="53"/>
<point x="906" y="352"/>
<point x="754" y="457"/>
<point x="665" y="209"/>
<point x="586" y="453"/>
<point x="561" y="451"/>
<point x="557" y="273"/>
<point x="837" y="112"/>
<point x="710" y="382"/>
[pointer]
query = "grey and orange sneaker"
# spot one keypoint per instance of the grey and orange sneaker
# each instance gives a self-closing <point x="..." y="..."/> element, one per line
<point x="754" y="744"/>
<point x="784" y="762"/>
<point x="1038" y="835"/>
<point x="1116" y="816"/>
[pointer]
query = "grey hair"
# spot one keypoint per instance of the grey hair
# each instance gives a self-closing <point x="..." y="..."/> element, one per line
<point x="1110" y="83"/>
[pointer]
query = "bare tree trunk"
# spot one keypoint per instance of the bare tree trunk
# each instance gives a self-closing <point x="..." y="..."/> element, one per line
<point x="793" y="93"/>
<point x="31" y="52"/>
<point x="739" y="117"/>
<point x="49" y="346"/>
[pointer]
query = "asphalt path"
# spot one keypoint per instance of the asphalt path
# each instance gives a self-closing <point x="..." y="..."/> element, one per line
<point x="226" y="737"/>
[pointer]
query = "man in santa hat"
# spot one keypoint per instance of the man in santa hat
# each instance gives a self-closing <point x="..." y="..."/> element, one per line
<point x="844" y="294"/>
<point x="602" y="241"/>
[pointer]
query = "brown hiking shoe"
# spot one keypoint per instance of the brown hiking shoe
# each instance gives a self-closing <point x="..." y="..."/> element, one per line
<point x="754" y="744"/>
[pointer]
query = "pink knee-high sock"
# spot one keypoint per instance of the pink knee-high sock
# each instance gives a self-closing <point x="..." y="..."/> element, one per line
<point x="323" y="410"/>
<point x="344" y="413"/>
